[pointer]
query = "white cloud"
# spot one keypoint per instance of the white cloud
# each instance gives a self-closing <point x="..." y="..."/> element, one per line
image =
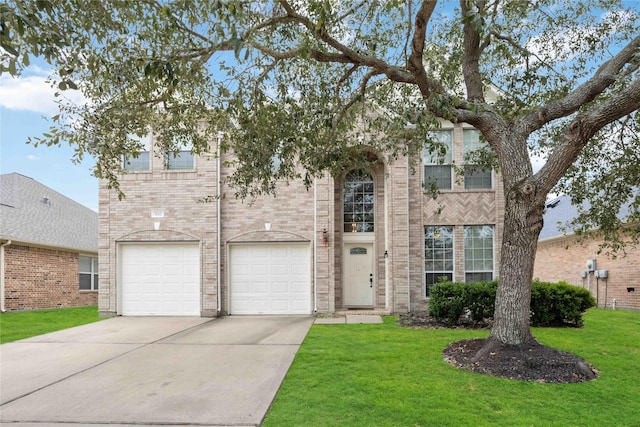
<point x="32" y="158"/>
<point x="31" y="93"/>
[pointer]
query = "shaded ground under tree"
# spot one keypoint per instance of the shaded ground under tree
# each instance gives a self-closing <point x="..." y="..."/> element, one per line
<point x="527" y="362"/>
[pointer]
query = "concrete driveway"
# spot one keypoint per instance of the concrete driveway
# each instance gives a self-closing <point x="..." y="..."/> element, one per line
<point x="150" y="371"/>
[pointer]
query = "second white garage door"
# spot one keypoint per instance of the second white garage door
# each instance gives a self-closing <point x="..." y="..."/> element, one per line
<point x="160" y="279"/>
<point x="270" y="279"/>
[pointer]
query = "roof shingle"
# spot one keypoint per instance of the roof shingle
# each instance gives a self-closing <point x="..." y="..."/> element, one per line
<point x="31" y="212"/>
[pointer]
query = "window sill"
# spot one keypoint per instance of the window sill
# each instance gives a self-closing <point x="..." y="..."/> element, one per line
<point x="86" y="291"/>
<point x="463" y="190"/>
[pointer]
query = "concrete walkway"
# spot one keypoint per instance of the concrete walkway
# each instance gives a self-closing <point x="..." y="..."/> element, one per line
<point x="349" y="319"/>
<point x="150" y="371"/>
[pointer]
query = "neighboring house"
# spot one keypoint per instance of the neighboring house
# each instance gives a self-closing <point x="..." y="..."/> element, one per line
<point x="49" y="247"/>
<point x="615" y="283"/>
<point x="373" y="239"/>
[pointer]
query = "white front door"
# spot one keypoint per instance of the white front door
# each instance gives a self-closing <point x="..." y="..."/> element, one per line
<point x="358" y="274"/>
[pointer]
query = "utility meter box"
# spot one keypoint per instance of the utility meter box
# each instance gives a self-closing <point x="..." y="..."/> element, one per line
<point x="602" y="274"/>
<point x="591" y="265"/>
<point x="584" y="274"/>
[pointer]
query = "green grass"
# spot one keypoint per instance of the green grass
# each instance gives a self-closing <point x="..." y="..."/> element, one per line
<point x="385" y="375"/>
<point x="25" y="324"/>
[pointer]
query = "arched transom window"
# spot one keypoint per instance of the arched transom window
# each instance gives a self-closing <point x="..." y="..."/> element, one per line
<point x="358" y="202"/>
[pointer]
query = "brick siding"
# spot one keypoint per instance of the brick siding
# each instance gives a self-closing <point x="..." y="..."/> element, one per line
<point x="564" y="258"/>
<point x="37" y="278"/>
<point x="399" y="277"/>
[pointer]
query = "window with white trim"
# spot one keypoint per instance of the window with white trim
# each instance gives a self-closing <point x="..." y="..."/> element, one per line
<point x="358" y="202"/>
<point x="475" y="176"/>
<point x="478" y="253"/>
<point x="138" y="161"/>
<point x="438" y="255"/>
<point x="437" y="161"/>
<point x="88" y="268"/>
<point x="181" y="160"/>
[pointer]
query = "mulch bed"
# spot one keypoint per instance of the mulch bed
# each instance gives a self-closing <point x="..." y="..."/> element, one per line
<point x="529" y="362"/>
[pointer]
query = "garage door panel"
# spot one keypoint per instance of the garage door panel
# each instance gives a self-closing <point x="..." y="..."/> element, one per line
<point x="160" y="279"/>
<point x="270" y="279"/>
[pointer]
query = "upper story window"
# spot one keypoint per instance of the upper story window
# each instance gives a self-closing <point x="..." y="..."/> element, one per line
<point x="475" y="176"/>
<point x="182" y="160"/>
<point x="358" y="202"/>
<point x="88" y="268"/>
<point x="141" y="161"/>
<point x="437" y="161"/>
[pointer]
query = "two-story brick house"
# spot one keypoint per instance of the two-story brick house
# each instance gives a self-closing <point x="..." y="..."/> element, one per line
<point x="373" y="239"/>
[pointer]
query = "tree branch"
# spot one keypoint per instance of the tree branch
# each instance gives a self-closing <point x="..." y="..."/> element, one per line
<point x="471" y="61"/>
<point x="604" y="77"/>
<point x="416" y="65"/>
<point x="578" y="132"/>
<point x="346" y="55"/>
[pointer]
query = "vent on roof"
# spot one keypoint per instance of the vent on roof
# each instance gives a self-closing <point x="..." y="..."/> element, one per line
<point x="46" y="200"/>
<point x="553" y="203"/>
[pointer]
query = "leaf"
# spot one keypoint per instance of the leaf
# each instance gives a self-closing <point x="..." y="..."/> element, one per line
<point x="9" y="49"/>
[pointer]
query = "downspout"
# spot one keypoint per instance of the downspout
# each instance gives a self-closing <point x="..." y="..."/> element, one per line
<point x="2" y="245"/>
<point x="218" y="227"/>
<point x="408" y="243"/>
<point x="386" y="244"/>
<point x="315" y="246"/>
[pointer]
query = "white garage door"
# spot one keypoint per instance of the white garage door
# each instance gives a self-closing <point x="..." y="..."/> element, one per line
<point x="270" y="279"/>
<point x="160" y="279"/>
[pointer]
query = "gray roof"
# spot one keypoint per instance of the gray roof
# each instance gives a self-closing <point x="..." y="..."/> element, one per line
<point x="33" y="213"/>
<point x="560" y="211"/>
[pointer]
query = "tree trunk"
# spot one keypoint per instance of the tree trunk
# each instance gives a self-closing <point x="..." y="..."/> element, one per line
<point x="522" y="225"/>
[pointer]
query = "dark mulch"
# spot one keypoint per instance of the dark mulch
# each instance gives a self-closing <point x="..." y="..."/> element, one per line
<point x="529" y="362"/>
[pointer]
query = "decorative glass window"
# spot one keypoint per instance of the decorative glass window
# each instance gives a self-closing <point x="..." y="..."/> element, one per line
<point x="88" y="267"/>
<point x="438" y="255"/>
<point x="475" y="177"/>
<point x="478" y="253"/>
<point x="139" y="161"/>
<point x="437" y="161"/>
<point x="358" y="202"/>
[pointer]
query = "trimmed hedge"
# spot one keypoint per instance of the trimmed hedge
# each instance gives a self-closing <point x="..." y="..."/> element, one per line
<point x="552" y="304"/>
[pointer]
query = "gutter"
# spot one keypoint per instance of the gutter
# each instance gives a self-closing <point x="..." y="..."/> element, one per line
<point x="2" y="245"/>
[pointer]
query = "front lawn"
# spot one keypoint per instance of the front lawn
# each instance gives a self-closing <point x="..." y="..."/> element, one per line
<point x="19" y="325"/>
<point x="386" y="375"/>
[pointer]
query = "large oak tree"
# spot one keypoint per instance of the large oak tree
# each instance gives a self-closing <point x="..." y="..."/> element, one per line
<point x="307" y="80"/>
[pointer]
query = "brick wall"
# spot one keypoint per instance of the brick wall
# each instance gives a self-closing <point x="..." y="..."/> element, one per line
<point x="37" y="278"/>
<point x="564" y="258"/>
<point x="458" y="208"/>
<point x="402" y="210"/>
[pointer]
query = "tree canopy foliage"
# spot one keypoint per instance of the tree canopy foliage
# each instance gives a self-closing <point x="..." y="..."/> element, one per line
<point x="311" y="80"/>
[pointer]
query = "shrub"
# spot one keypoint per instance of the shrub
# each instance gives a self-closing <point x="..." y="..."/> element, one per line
<point x="552" y="304"/>
<point x="447" y="302"/>
<point x="559" y="304"/>
<point x="451" y="300"/>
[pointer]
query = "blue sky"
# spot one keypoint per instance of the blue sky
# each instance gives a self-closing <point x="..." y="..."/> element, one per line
<point x="24" y="104"/>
